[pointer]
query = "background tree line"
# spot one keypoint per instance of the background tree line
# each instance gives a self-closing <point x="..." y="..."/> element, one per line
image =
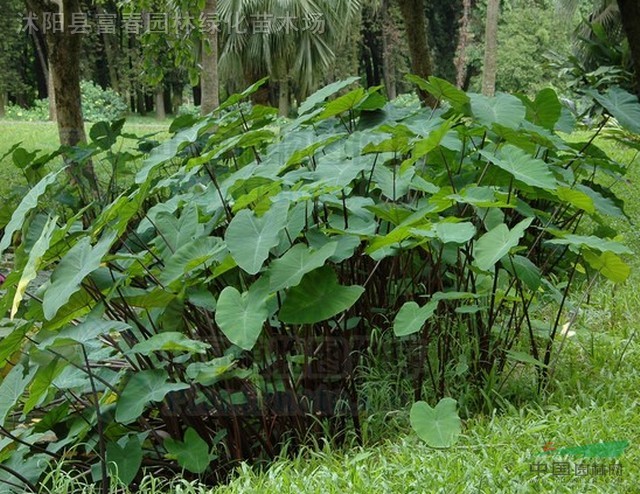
<point x="212" y="48"/>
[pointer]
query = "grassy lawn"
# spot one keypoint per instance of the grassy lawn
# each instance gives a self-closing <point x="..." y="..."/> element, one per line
<point x="44" y="136"/>
<point x="595" y="396"/>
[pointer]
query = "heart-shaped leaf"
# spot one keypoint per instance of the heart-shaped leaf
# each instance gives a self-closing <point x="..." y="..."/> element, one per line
<point x="411" y="317"/>
<point x="241" y="315"/>
<point x="505" y="109"/>
<point x="524" y="167"/>
<point x="496" y="243"/>
<point x="124" y="460"/>
<point x="439" y="427"/>
<point x="298" y="261"/>
<point x="192" y="453"/>
<point x="79" y="262"/>
<point x="143" y="387"/>
<point x="250" y="238"/>
<point x="622" y="105"/>
<point x="318" y="297"/>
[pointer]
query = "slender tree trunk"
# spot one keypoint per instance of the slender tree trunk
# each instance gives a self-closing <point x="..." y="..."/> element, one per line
<point x="388" y="63"/>
<point x="161" y="113"/>
<point x="46" y="70"/>
<point x="209" y="77"/>
<point x="415" y="23"/>
<point x="283" y="97"/>
<point x="463" y="41"/>
<point x="490" y="66"/>
<point x="176" y="97"/>
<point x="630" y="13"/>
<point x="111" y="52"/>
<point x="51" y="94"/>
<point x="3" y="102"/>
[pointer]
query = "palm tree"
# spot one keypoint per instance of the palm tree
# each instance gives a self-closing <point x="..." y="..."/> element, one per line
<point x="293" y="41"/>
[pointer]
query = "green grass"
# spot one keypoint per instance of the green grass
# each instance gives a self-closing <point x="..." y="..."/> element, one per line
<point x="44" y="136"/>
<point x="595" y="396"/>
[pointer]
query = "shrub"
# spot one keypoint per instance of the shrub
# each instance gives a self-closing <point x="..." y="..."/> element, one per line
<point x="101" y="104"/>
<point x="97" y="104"/>
<point x="38" y="112"/>
<point x="220" y="307"/>
<point x="188" y="109"/>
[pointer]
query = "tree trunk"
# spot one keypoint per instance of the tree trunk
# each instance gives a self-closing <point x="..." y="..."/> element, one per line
<point x="415" y="24"/>
<point x="176" y="97"/>
<point x="463" y="41"/>
<point x="3" y="102"/>
<point x="51" y="94"/>
<point x="161" y="114"/>
<point x="63" y="50"/>
<point x="283" y="97"/>
<point x="209" y="76"/>
<point x="630" y="13"/>
<point x="490" y="66"/>
<point x="388" y="63"/>
<point x="111" y="52"/>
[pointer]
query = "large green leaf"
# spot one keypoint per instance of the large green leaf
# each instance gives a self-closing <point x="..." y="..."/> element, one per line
<point x="250" y="238"/>
<point x="442" y="90"/>
<point x="322" y="94"/>
<point x="609" y="265"/>
<point x="174" y="233"/>
<point x="29" y="202"/>
<point x="457" y="233"/>
<point x="503" y="109"/>
<point x="545" y="110"/>
<point x="12" y="388"/>
<point x="318" y="297"/>
<point x="496" y="243"/>
<point x="30" y="270"/>
<point x="527" y="272"/>
<point x="42" y="383"/>
<point x="142" y="388"/>
<point x="170" y="341"/>
<point x="342" y="104"/>
<point x="592" y="242"/>
<point x="208" y="373"/>
<point x="523" y="166"/>
<point x="622" y="105"/>
<point x="298" y="261"/>
<point x="335" y="171"/>
<point x="603" y="204"/>
<point x="86" y="332"/>
<point x="79" y="262"/>
<point x="576" y="198"/>
<point x="124" y="458"/>
<point x="192" y="255"/>
<point x="439" y="427"/>
<point x="192" y="454"/>
<point x="411" y="317"/>
<point x="241" y="316"/>
<point x="168" y="150"/>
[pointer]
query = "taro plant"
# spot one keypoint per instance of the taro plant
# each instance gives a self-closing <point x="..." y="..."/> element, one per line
<point x="221" y="306"/>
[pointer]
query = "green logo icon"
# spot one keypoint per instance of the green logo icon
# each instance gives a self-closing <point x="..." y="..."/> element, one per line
<point x="596" y="450"/>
